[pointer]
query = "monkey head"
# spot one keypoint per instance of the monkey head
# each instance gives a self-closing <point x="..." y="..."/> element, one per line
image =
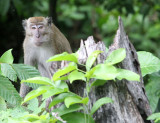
<point x="38" y="30"/>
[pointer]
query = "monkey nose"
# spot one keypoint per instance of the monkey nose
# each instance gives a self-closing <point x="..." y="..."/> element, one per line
<point x="37" y="35"/>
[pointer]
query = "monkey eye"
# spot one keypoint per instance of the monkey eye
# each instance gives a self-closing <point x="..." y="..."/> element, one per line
<point x="33" y="27"/>
<point x="40" y="26"/>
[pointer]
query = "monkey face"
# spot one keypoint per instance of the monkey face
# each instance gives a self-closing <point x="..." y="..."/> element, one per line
<point x="39" y="34"/>
<point x="38" y="30"/>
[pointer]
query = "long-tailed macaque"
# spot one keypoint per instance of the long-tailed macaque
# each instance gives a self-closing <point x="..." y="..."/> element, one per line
<point x="42" y="40"/>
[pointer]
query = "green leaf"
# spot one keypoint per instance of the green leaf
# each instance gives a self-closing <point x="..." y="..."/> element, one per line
<point x="61" y="84"/>
<point x="154" y="116"/>
<point x="18" y="112"/>
<point x="92" y="58"/>
<point x="25" y="72"/>
<point x="36" y="93"/>
<point x="54" y="91"/>
<point x="31" y="117"/>
<point x="98" y="82"/>
<point x="73" y="100"/>
<point x="99" y="103"/>
<point x="156" y="121"/>
<point x="90" y="73"/>
<point x="104" y="72"/>
<point x="4" y="6"/>
<point x="63" y="78"/>
<point x="148" y="62"/>
<point x="77" y="117"/>
<point x="72" y="66"/>
<point x="107" y="49"/>
<point x="116" y="56"/>
<point x="8" y="71"/>
<point x="7" y="57"/>
<point x="152" y="87"/>
<point x="75" y="75"/>
<point x="58" y="99"/>
<point x="128" y="75"/>
<point x="64" y="57"/>
<point x="3" y="105"/>
<point x="61" y="97"/>
<point x="39" y="80"/>
<point x="8" y="92"/>
<point x="0" y="70"/>
<point x="64" y="110"/>
<point x="33" y="104"/>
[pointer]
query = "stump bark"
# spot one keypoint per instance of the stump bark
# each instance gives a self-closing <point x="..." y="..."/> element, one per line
<point x="130" y="101"/>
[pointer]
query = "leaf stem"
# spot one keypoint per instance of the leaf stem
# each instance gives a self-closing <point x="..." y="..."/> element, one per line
<point x="82" y="71"/>
<point x="81" y="64"/>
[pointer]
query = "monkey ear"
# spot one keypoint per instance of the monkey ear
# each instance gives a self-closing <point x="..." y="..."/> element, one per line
<point x="24" y="24"/>
<point x="49" y="20"/>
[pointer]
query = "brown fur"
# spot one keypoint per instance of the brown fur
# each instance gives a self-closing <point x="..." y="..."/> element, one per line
<point x="51" y="42"/>
<point x="36" y="19"/>
<point x="60" y="41"/>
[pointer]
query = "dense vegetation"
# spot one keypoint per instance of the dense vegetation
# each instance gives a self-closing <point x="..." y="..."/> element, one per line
<point x="78" y="19"/>
<point x="13" y="111"/>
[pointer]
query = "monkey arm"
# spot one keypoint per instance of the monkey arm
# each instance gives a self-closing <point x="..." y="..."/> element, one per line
<point x="24" y="89"/>
<point x="60" y="41"/>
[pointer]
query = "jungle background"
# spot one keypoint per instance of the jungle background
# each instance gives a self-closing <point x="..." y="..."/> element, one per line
<point x="78" y="19"/>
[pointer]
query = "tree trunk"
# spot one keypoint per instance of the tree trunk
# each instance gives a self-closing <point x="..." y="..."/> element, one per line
<point x="130" y="101"/>
<point x="52" y="10"/>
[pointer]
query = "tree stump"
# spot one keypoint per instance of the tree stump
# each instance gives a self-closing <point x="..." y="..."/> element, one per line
<point x="130" y="101"/>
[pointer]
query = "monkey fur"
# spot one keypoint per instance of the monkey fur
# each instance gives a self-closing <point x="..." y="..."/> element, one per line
<point x="42" y="40"/>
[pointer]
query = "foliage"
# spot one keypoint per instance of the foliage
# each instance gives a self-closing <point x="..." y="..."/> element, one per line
<point x="9" y="72"/>
<point x="148" y="62"/>
<point x="100" y="102"/>
<point x="83" y="18"/>
<point x="151" y="65"/>
<point x="64" y="56"/>
<point x="91" y="59"/>
<point x="116" y="56"/>
<point x="152" y="90"/>
<point x="155" y="117"/>
<point x="8" y="92"/>
<point x="7" y="57"/>
<point x="59" y="89"/>
<point x="2" y="104"/>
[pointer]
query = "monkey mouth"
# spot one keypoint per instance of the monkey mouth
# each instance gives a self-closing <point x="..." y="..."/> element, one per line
<point x="38" y="43"/>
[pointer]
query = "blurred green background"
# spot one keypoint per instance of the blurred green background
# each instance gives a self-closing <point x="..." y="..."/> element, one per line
<point x="78" y="19"/>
